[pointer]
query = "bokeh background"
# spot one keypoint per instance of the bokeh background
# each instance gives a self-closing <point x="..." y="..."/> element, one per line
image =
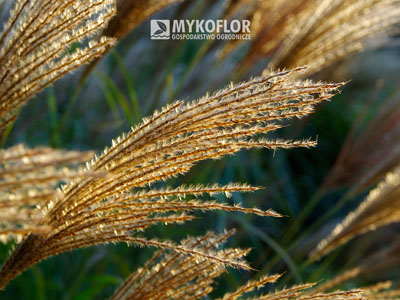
<point x="140" y="75"/>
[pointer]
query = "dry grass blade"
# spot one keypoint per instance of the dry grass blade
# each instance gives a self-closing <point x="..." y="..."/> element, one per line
<point x="28" y="179"/>
<point x="297" y="292"/>
<point x="381" y="207"/>
<point x="339" y="279"/>
<point x="178" y="275"/>
<point x="34" y="46"/>
<point x="250" y="286"/>
<point x="110" y="209"/>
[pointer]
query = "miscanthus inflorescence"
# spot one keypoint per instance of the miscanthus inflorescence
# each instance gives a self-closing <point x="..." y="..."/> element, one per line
<point x="35" y="41"/>
<point x="178" y="275"/>
<point x="381" y="207"/>
<point x="317" y="33"/>
<point x="171" y="275"/>
<point x="330" y="30"/>
<point x="114" y="207"/>
<point x="28" y="180"/>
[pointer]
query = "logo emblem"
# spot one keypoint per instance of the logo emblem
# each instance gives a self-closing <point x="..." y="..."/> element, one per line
<point x="160" y="30"/>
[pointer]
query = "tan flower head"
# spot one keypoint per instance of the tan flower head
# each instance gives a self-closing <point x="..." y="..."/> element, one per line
<point x="115" y="207"/>
<point x="34" y="46"/>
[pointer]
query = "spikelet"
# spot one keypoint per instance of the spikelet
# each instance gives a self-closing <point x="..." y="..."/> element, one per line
<point x="170" y="275"/>
<point x="34" y="46"/>
<point x="110" y="209"/>
<point x="251" y="286"/>
<point x="381" y="207"/>
<point x="296" y="292"/>
<point x="381" y="291"/>
<point x="338" y="280"/>
<point x="378" y="291"/>
<point x="385" y="295"/>
<point x="28" y="179"/>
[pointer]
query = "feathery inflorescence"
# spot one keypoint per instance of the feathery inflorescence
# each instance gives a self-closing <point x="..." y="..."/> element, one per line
<point x="178" y="275"/>
<point x="338" y="280"/>
<point x="333" y="29"/>
<point x="171" y="275"/>
<point x="381" y="207"/>
<point x="296" y="292"/>
<point x="34" y="46"/>
<point x="379" y="262"/>
<point x="114" y="197"/>
<point x="379" y="291"/>
<point x="267" y="32"/>
<point x="316" y="32"/>
<point x="28" y="179"/>
<point x="113" y="207"/>
<point x="387" y="295"/>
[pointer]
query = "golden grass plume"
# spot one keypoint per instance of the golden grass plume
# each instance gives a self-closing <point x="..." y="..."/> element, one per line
<point x="334" y="29"/>
<point x="178" y="275"/>
<point x="34" y="46"/>
<point x="112" y="208"/>
<point x="170" y="275"/>
<point x="313" y="32"/>
<point x="380" y="291"/>
<point x="381" y="207"/>
<point x="28" y="179"/>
